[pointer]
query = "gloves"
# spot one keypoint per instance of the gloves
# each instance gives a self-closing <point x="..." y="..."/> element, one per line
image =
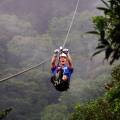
<point x="56" y="51"/>
<point x="66" y="51"/>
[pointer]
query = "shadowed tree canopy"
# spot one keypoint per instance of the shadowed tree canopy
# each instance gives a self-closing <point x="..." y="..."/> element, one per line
<point x="4" y="113"/>
<point x="107" y="27"/>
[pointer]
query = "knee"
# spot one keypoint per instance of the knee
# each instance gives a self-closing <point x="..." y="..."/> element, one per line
<point x="64" y="77"/>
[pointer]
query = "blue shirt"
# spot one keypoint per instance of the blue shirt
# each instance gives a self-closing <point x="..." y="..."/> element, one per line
<point x="66" y="70"/>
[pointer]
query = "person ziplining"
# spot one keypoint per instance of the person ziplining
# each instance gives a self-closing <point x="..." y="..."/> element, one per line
<point x="61" y="68"/>
<point x="61" y="63"/>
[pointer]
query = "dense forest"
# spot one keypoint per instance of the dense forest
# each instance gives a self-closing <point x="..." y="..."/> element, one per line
<point x="107" y="28"/>
<point x="30" y="31"/>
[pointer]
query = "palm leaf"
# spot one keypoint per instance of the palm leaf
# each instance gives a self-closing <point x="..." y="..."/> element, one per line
<point x="111" y="62"/>
<point x="115" y="56"/>
<point x="108" y="52"/>
<point x="104" y="42"/>
<point x="103" y="8"/>
<point x="100" y="46"/>
<point x="107" y="5"/>
<point x="93" y="32"/>
<point x="102" y="34"/>
<point x="97" y="52"/>
<point x="4" y="113"/>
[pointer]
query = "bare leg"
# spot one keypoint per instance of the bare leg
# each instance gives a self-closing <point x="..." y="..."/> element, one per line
<point x="64" y="77"/>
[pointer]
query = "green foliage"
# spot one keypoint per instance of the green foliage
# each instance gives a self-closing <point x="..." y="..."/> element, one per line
<point x="100" y="23"/>
<point x="108" y="28"/>
<point x="114" y="92"/>
<point x="116" y="73"/>
<point x="113" y="95"/>
<point x="104" y="108"/>
<point x="4" y="113"/>
<point x="94" y="110"/>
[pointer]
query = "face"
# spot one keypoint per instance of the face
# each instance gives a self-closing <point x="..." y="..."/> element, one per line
<point x="63" y="60"/>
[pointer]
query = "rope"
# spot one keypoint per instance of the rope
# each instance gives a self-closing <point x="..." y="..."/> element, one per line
<point x="69" y="29"/>
<point x="65" y="41"/>
<point x="26" y="70"/>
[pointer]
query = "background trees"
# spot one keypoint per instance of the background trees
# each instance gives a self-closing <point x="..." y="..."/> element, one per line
<point x="107" y="27"/>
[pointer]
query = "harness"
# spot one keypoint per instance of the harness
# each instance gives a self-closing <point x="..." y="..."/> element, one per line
<point x="59" y="84"/>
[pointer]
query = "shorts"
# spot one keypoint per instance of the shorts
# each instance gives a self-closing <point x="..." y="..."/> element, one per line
<point x="59" y="84"/>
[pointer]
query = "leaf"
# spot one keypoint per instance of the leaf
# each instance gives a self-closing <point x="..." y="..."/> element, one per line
<point x="115" y="56"/>
<point x="108" y="52"/>
<point x="100" y="46"/>
<point x="93" y="32"/>
<point x="102" y="34"/>
<point x="104" y="42"/>
<point x="97" y="52"/>
<point x="111" y="62"/>
<point x="4" y="113"/>
<point x="102" y="8"/>
<point x="107" y="5"/>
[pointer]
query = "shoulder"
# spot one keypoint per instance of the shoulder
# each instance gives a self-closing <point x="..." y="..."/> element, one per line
<point x="69" y="68"/>
<point x="53" y="68"/>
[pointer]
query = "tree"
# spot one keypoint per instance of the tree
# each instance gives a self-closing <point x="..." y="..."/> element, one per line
<point x="107" y="27"/>
<point x="104" y="108"/>
<point x="4" y="113"/>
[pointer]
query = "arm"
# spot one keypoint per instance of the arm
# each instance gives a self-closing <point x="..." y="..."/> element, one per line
<point x="54" y="58"/>
<point x="70" y="64"/>
<point x="53" y="61"/>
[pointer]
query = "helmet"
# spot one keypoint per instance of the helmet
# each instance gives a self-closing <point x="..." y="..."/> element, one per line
<point x="63" y="55"/>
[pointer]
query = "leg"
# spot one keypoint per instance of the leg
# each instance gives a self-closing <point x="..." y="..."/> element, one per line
<point x="53" y="78"/>
<point x="64" y="78"/>
<point x="55" y="81"/>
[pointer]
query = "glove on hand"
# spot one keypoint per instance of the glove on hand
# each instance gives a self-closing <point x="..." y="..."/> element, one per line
<point x="66" y="51"/>
<point x="56" y="51"/>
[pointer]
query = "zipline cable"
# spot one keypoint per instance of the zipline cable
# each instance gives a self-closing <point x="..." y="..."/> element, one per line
<point x="69" y="29"/>
<point x="44" y="61"/>
<point x="23" y="71"/>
